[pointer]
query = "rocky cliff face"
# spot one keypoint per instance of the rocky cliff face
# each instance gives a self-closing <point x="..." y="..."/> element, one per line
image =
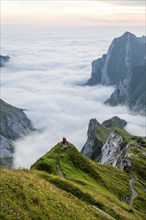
<point x="111" y="148"/>
<point x="100" y="136"/>
<point x="89" y="149"/>
<point x="3" y="60"/>
<point x="114" y="154"/>
<point x="122" y="159"/>
<point x="133" y="93"/>
<point x="123" y="64"/>
<point x="109" y="143"/>
<point x="14" y="124"/>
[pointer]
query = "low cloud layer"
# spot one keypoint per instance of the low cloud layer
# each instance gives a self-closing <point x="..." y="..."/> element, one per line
<point x="45" y="76"/>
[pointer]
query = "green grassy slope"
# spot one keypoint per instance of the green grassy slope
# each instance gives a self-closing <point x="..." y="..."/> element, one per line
<point x="101" y="185"/>
<point x="102" y="133"/>
<point x="27" y="195"/>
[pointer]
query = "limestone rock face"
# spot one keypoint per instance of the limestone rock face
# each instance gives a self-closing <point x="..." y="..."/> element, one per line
<point x="123" y="66"/>
<point x="122" y="160"/>
<point x="111" y="148"/>
<point x="14" y="124"/>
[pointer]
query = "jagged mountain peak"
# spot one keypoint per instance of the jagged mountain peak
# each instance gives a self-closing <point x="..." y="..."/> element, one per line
<point x="93" y="120"/>
<point x="130" y="35"/>
<point x="121" y="66"/>
<point x="123" y="39"/>
<point x="110" y="64"/>
<point x="127" y="33"/>
<point x="92" y="124"/>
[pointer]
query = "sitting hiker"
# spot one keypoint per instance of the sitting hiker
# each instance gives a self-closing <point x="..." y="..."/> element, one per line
<point x="64" y="140"/>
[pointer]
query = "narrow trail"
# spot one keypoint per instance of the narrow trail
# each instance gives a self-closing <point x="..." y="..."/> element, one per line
<point x="104" y="213"/>
<point x="57" y="162"/>
<point x="58" y="167"/>
<point x="59" y="170"/>
<point x="133" y="192"/>
<point x="61" y="175"/>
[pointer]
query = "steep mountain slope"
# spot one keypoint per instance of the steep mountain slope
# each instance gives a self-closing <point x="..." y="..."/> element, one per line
<point x="123" y="66"/>
<point x="103" y="186"/>
<point x="27" y="195"/>
<point x="14" y="124"/>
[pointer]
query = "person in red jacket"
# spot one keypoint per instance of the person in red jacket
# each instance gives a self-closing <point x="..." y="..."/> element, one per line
<point x="64" y="140"/>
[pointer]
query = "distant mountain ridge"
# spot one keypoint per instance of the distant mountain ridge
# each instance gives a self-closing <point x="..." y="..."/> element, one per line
<point x="14" y="124"/>
<point x="124" y="66"/>
<point x="3" y="60"/>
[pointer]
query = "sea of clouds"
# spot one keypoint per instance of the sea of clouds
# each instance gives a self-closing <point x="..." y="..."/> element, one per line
<point x="45" y="76"/>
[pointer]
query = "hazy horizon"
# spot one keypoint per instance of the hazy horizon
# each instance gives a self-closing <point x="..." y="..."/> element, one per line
<point x="72" y="13"/>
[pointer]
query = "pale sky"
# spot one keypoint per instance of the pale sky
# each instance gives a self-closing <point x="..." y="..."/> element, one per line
<point x="73" y="13"/>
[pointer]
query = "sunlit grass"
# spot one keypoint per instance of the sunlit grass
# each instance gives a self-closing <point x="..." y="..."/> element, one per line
<point x="104" y="185"/>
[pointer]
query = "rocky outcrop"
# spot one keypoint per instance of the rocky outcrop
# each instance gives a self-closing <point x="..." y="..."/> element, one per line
<point x="109" y="143"/>
<point x="3" y="60"/>
<point x="113" y="154"/>
<point x="89" y="147"/>
<point x="102" y="136"/>
<point x="14" y="124"/>
<point x="124" y="67"/>
<point x="111" y="148"/>
<point x="122" y="160"/>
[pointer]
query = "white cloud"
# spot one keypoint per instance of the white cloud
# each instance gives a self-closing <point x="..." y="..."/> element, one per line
<point x="46" y="68"/>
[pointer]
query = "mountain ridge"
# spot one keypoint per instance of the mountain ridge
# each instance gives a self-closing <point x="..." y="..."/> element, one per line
<point x="121" y="66"/>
